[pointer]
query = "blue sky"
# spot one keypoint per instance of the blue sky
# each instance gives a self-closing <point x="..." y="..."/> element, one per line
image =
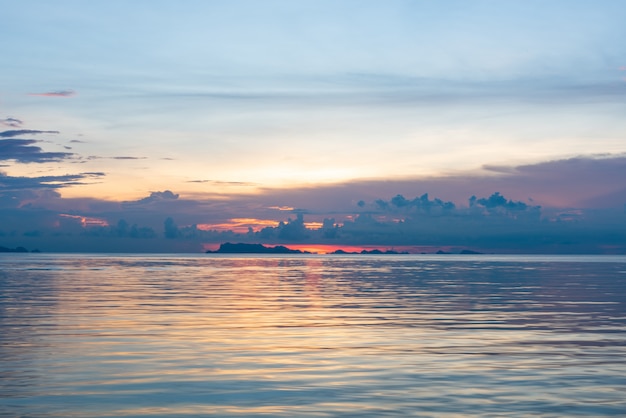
<point x="243" y="100"/>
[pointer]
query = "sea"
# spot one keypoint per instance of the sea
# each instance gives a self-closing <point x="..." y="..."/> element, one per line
<point x="214" y="335"/>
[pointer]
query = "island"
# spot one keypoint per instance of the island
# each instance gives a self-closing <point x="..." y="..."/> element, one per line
<point x="14" y="250"/>
<point x="245" y="248"/>
<point x="375" y="252"/>
<point x="241" y="248"/>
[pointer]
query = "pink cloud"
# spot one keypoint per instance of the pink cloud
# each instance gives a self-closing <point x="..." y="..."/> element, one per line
<point x="58" y="93"/>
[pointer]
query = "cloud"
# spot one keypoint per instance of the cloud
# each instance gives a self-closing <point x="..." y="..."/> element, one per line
<point x="21" y="150"/>
<point x="17" y="191"/>
<point x="97" y="157"/>
<point x="508" y="213"/>
<point x="353" y="89"/>
<point x="283" y="208"/>
<point x="58" y="93"/>
<point x="13" y="133"/>
<point x="166" y="195"/>
<point x="580" y="182"/>
<point x="127" y="158"/>
<point x="12" y="122"/>
<point x="220" y="182"/>
<point x="10" y="183"/>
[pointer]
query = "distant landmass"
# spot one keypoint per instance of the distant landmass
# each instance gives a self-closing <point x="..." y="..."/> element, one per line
<point x="369" y="252"/>
<point x="243" y="248"/>
<point x="15" y="250"/>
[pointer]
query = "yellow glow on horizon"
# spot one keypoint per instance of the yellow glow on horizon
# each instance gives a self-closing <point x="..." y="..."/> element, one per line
<point x="282" y="208"/>
<point x="313" y="225"/>
<point x="329" y="248"/>
<point x="239" y="225"/>
<point x="86" y="221"/>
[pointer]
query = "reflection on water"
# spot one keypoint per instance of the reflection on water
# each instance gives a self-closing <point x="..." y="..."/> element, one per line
<point x="100" y="336"/>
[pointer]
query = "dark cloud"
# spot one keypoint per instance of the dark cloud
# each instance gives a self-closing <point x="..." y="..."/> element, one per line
<point x="12" y="122"/>
<point x="57" y="93"/>
<point x="9" y="183"/>
<point x="19" y="132"/>
<point x="499" y="209"/>
<point x="22" y="150"/>
<point x="492" y="222"/>
<point x="16" y="191"/>
<point x="76" y="141"/>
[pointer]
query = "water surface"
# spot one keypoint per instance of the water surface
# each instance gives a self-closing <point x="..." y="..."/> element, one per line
<point x="312" y="336"/>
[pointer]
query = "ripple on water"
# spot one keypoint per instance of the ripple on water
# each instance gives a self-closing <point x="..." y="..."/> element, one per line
<point x="311" y="336"/>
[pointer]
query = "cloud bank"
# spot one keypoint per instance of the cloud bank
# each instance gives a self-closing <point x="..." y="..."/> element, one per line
<point x="446" y="214"/>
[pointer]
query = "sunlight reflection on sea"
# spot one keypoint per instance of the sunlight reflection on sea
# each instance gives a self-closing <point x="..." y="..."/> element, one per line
<point x="341" y="336"/>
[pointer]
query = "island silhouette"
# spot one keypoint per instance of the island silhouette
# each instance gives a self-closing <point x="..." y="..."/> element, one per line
<point x="243" y="248"/>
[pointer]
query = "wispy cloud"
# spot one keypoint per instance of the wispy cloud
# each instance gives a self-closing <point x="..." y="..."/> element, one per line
<point x="11" y="122"/>
<point x="127" y="158"/>
<point x="221" y="182"/>
<point x="22" y="150"/>
<point x="120" y="157"/>
<point x="362" y="90"/>
<point x="19" y="132"/>
<point x="56" y="93"/>
<point x="17" y="184"/>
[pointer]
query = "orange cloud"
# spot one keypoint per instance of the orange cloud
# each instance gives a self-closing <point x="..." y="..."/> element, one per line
<point x="239" y="225"/>
<point x="86" y="221"/>
<point x="282" y="208"/>
<point x="313" y="225"/>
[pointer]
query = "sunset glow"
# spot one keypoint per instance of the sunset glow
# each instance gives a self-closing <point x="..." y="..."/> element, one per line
<point x="85" y="221"/>
<point x="353" y="122"/>
<point x="307" y="208"/>
<point x="239" y="225"/>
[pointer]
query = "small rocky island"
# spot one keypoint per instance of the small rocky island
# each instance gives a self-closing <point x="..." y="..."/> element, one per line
<point x="241" y="248"/>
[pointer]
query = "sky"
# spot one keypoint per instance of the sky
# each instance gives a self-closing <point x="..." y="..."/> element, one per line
<point x="241" y="114"/>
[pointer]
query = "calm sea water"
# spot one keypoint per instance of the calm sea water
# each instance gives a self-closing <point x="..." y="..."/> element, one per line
<point x="312" y="336"/>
